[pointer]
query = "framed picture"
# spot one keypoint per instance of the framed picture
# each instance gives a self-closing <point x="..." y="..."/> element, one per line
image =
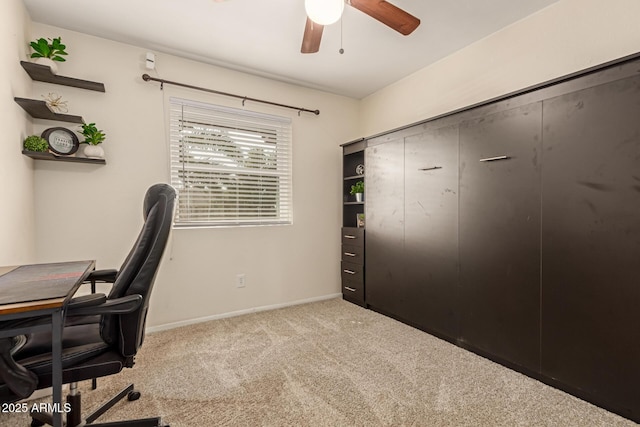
<point x="360" y="220"/>
<point x="61" y="141"/>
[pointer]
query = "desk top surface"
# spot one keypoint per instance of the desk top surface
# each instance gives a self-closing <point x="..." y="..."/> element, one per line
<point x="41" y="285"/>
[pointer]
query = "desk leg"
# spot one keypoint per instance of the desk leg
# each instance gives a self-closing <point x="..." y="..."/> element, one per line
<point x="56" y="352"/>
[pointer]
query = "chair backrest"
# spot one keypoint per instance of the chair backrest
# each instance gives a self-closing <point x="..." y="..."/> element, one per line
<point x="138" y="272"/>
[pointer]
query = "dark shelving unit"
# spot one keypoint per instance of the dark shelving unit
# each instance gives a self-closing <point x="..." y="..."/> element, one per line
<point x="53" y="157"/>
<point x="352" y="257"/>
<point x="39" y="110"/>
<point x="42" y="73"/>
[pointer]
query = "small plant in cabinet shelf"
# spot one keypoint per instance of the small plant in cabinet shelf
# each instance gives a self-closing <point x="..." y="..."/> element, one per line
<point x="357" y="190"/>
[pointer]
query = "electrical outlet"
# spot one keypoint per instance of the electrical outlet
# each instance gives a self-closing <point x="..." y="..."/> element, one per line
<point x="240" y="280"/>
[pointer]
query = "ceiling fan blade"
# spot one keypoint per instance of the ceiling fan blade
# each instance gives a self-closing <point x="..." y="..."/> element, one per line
<point x="390" y="15"/>
<point x="312" y="37"/>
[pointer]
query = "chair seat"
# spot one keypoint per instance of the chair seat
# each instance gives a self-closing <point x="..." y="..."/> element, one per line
<point x="77" y="331"/>
<point x="84" y="355"/>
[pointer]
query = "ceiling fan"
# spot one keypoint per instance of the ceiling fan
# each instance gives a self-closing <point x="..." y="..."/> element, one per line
<point x="381" y="10"/>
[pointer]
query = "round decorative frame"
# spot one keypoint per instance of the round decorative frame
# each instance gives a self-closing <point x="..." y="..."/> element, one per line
<point x="61" y="141"/>
<point x="360" y="169"/>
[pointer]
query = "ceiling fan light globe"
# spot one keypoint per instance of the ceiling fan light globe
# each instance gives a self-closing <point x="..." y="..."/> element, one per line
<point x="324" y="12"/>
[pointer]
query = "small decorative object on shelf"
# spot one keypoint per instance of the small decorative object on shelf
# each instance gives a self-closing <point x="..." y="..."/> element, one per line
<point x="36" y="144"/>
<point x="55" y="103"/>
<point x="357" y="190"/>
<point x="360" y="169"/>
<point x="61" y="141"/>
<point x="360" y="220"/>
<point x="46" y="53"/>
<point x="93" y="137"/>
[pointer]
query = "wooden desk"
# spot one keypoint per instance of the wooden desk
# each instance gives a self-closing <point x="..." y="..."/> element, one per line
<point x="42" y="289"/>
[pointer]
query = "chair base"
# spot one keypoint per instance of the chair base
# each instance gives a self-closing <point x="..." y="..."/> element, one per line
<point x="74" y="417"/>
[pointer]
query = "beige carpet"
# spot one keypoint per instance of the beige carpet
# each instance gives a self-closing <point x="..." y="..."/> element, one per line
<point x="328" y="364"/>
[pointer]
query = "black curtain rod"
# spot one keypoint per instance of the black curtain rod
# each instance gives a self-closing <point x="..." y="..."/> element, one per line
<point x="147" y="77"/>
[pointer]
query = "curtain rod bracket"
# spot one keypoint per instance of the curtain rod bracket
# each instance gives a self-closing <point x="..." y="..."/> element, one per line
<point x="147" y="77"/>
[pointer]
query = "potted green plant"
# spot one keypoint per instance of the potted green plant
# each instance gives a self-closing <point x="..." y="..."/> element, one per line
<point x="47" y="53"/>
<point x="357" y="190"/>
<point x="93" y="137"/>
<point x="35" y="143"/>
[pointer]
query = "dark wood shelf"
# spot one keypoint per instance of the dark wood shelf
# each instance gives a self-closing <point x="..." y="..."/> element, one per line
<point x="42" y="73"/>
<point x="354" y="203"/>
<point x="50" y="156"/>
<point x="348" y="178"/>
<point x="39" y="110"/>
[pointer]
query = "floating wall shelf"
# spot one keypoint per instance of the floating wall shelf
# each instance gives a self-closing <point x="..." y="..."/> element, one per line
<point x="39" y="110"/>
<point x="42" y="73"/>
<point x="51" y="156"/>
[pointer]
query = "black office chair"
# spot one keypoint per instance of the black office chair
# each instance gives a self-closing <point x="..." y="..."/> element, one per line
<point x="102" y="334"/>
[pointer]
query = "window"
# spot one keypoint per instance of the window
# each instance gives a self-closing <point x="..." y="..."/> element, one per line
<point x="229" y="166"/>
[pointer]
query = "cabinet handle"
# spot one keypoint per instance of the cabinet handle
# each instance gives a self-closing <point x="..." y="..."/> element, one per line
<point x="493" y="159"/>
<point x="349" y="254"/>
<point x="432" y="168"/>
<point x="349" y="289"/>
<point x="348" y="236"/>
<point x="349" y="271"/>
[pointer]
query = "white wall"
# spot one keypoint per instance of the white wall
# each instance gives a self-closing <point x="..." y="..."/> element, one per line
<point x="566" y="37"/>
<point x="91" y="211"/>
<point x="17" y="232"/>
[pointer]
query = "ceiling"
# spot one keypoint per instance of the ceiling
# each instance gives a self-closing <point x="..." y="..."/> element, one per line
<point x="263" y="37"/>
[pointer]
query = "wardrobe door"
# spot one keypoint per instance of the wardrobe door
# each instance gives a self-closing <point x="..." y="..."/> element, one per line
<point x="431" y="229"/>
<point x="500" y="234"/>
<point x="591" y="243"/>
<point x="384" y="218"/>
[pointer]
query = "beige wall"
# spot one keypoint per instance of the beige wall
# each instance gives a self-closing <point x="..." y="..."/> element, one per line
<point x="90" y="211"/>
<point x="563" y="38"/>
<point x="17" y="232"/>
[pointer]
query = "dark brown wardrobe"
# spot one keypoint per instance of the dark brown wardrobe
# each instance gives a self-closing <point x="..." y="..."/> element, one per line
<point x="512" y="229"/>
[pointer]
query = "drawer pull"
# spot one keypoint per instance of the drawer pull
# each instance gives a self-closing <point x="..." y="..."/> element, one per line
<point x="349" y="271"/>
<point x="432" y="168"/>
<point x="493" y="159"/>
<point x="349" y="254"/>
<point x="349" y="236"/>
<point x="349" y="289"/>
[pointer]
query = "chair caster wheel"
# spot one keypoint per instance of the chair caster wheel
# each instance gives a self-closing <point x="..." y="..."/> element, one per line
<point x="133" y="395"/>
<point x="36" y="423"/>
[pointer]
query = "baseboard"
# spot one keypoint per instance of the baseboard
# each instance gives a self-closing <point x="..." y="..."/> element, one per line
<point x="173" y="325"/>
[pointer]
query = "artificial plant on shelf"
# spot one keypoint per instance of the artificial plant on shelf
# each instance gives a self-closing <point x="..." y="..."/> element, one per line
<point x="93" y="137"/>
<point x="46" y="53"/>
<point x="36" y="143"/>
<point x="357" y="190"/>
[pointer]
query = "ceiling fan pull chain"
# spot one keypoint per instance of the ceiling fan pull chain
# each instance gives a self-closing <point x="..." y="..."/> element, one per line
<point x="341" y="51"/>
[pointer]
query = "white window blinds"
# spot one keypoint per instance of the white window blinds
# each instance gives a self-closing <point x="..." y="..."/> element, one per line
<point x="229" y="166"/>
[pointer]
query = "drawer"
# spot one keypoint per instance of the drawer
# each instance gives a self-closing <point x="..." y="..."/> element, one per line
<point x="353" y="254"/>
<point x="353" y="290"/>
<point x="353" y="236"/>
<point x="352" y="272"/>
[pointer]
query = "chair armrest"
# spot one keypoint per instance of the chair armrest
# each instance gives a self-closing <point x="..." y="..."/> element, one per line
<point x="106" y="275"/>
<point x="124" y="305"/>
<point x="86" y="301"/>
